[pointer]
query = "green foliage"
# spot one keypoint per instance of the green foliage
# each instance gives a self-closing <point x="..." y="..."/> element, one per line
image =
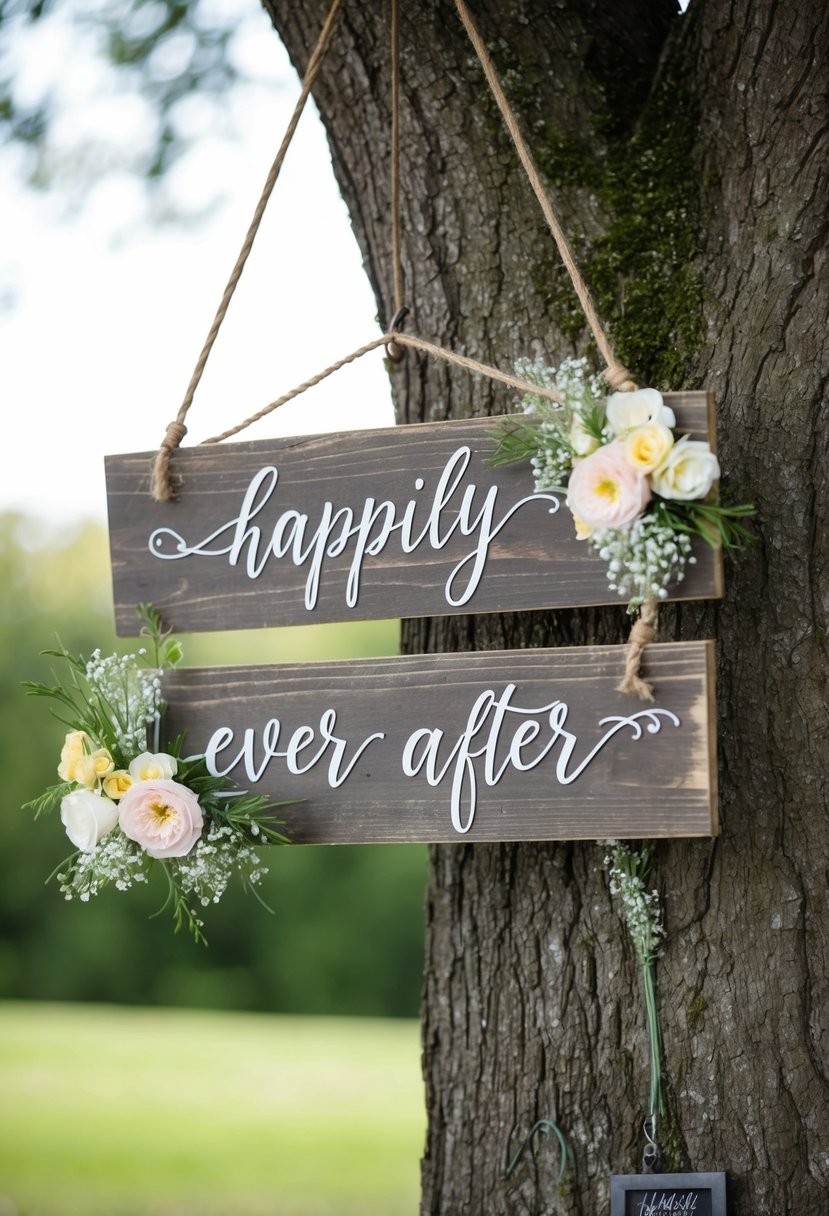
<point x="717" y="524"/>
<point x="647" y="185"/>
<point x="515" y="441"/>
<point x="643" y="271"/>
<point x="164" y="51"/>
<point x="347" y="933"/>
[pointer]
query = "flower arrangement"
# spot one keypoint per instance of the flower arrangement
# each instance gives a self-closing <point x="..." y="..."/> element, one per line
<point x="130" y="807"/>
<point x="637" y="493"/>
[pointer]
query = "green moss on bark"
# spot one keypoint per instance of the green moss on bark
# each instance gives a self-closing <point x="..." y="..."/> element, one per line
<point x="643" y="272"/>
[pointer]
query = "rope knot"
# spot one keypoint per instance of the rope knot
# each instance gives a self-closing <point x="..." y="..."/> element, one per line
<point x="173" y="435"/>
<point x="394" y="351"/>
<point x="619" y="378"/>
<point x="162" y="489"/>
<point x="641" y="635"/>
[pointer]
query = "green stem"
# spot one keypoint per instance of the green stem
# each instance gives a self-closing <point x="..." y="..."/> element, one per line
<point x="656" y="1101"/>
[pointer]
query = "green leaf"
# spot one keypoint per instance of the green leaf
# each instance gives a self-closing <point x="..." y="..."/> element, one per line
<point x="515" y="441"/>
<point x="49" y="800"/>
<point x="593" y="421"/>
<point x="718" y="525"/>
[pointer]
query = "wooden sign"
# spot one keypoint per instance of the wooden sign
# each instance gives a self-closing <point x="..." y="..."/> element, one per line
<point x="410" y="521"/>
<point x="678" y="1194"/>
<point x="506" y="745"/>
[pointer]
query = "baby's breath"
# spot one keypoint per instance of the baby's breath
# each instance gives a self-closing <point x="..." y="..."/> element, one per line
<point x="115" y="860"/>
<point x="640" y="907"/>
<point x="643" y="558"/>
<point x="126" y="694"/>
<point x="208" y="868"/>
<point x="582" y="396"/>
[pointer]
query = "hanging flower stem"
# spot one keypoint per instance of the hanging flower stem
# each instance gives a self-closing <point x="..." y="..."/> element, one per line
<point x="656" y="1102"/>
<point x="642" y="913"/>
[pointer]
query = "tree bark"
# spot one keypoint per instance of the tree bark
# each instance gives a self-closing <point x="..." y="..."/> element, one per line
<point x="687" y="157"/>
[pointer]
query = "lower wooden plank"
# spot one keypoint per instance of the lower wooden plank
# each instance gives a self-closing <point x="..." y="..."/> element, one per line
<point x="496" y="746"/>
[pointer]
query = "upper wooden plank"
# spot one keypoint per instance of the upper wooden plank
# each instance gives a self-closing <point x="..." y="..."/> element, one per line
<point x="365" y="525"/>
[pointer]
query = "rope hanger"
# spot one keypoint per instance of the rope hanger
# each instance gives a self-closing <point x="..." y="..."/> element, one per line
<point x="396" y="342"/>
<point x="615" y="373"/>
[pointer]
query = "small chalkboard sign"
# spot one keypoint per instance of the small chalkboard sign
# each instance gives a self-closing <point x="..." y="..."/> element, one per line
<point x="678" y="1194"/>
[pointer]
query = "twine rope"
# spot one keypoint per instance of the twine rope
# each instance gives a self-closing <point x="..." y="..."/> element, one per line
<point x="641" y="635"/>
<point x="162" y="490"/>
<point x="397" y="264"/>
<point x="616" y="374"/>
<point x="401" y="339"/>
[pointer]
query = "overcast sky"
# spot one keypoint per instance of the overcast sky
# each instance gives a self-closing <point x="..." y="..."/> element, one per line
<point x="102" y="316"/>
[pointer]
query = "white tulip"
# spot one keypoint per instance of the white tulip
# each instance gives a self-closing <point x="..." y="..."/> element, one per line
<point x="627" y="411"/>
<point x="87" y="817"/>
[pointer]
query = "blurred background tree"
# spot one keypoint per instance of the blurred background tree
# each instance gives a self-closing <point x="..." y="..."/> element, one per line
<point x="346" y="934"/>
<point x="166" y="73"/>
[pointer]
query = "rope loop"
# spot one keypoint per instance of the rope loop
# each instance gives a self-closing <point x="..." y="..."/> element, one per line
<point x="394" y="352"/>
<point x="618" y="377"/>
<point x="162" y="489"/>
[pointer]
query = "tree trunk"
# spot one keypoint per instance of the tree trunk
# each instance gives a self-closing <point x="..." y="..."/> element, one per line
<point x="686" y="156"/>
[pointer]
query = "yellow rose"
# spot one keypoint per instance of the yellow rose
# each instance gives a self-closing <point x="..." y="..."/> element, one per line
<point x="647" y="446"/>
<point x="74" y="747"/>
<point x="117" y="784"/>
<point x="92" y="767"/>
<point x="583" y="530"/>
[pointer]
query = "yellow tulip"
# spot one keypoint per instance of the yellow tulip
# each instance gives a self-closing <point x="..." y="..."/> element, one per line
<point x="74" y="748"/>
<point x="92" y="767"/>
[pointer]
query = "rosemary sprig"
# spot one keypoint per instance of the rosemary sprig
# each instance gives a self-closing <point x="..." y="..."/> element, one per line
<point x="515" y="441"/>
<point x="717" y="524"/>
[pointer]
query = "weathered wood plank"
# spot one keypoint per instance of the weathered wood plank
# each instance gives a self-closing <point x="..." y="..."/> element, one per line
<point x="368" y="731"/>
<point x="459" y="535"/>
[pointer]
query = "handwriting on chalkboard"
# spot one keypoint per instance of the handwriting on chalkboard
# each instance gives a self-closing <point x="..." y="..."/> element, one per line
<point x="668" y="1194"/>
<point x="362" y="533"/>
<point x="652" y="1203"/>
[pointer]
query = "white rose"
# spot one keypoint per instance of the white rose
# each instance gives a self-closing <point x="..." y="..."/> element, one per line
<point x="87" y="817"/>
<point x="627" y="411"/>
<point x="582" y="441"/>
<point x="688" y="471"/>
<point x="153" y="767"/>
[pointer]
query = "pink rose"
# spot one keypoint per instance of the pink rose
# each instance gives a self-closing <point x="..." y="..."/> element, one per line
<point x="605" y="491"/>
<point x="163" y="816"/>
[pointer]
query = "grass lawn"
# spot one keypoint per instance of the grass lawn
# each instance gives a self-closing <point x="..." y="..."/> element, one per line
<point x="108" y="1111"/>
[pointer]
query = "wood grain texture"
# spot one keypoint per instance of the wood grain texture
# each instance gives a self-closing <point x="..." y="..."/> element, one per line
<point x="657" y="784"/>
<point x="534" y="561"/>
